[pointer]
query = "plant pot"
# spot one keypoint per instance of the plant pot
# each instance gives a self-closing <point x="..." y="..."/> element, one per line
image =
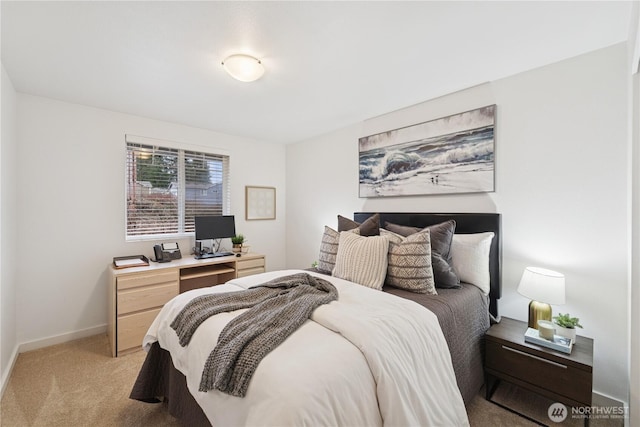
<point x="237" y="248"/>
<point x="566" y="332"/>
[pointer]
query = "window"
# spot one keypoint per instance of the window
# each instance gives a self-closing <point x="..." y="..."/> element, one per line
<point x="167" y="187"/>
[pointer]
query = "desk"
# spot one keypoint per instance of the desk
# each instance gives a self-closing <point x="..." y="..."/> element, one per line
<point x="137" y="294"/>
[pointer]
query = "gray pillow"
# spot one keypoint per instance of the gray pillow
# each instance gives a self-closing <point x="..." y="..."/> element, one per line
<point x="370" y="227"/>
<point x="441" y="238"/>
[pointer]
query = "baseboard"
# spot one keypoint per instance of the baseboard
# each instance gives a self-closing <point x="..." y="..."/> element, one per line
<point x="62" y="338"/>
<point x="601" y="399"/>
<point x="7" y="373"/>
<point x="606" y="399"/>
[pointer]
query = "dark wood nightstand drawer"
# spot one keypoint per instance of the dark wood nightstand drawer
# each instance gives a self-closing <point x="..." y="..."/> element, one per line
<point x="563" y="379"/>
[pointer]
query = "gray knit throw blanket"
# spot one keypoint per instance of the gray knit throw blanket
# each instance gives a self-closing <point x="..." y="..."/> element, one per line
<point x="278" y="308"/>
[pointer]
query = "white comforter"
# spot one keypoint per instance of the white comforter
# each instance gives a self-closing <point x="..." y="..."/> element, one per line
<point x="368" y="359"/>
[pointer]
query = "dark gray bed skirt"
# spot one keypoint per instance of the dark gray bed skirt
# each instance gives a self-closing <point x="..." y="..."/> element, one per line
<point x="160" y="382"/>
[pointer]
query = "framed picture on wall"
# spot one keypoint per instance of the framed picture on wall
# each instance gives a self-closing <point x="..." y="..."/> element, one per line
<point x="260" y="202"/>
<point x="449" y="155"/>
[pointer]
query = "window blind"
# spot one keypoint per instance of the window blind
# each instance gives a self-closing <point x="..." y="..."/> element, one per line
<point x="167" y="187"/>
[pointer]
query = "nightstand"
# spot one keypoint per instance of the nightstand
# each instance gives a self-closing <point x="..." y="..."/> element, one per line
<point x="565" y="378"/>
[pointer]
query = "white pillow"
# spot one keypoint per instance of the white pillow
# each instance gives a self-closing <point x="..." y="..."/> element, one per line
<point x="470" y="258"/>
<point x="362" y="260"/>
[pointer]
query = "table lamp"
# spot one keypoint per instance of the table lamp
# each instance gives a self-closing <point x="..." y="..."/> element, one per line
<point x="544" y="287"/>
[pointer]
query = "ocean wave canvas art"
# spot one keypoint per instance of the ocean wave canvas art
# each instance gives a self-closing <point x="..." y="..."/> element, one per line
<point x="453" y="154"/>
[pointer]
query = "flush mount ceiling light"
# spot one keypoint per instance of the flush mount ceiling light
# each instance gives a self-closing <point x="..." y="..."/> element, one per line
<point x="243" y="67"/>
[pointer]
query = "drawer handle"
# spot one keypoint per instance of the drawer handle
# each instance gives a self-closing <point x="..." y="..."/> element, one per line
<point x="535" y="357"/>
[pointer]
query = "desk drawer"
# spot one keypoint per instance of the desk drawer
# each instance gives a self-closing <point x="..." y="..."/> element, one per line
<point x="147" y="278"/>
<point x="250" y="263"/>
<point x="133" y="327"/>
<point x="250" y="271"/>
<point x="557" y="377"/>
<point x="146" y="297"/>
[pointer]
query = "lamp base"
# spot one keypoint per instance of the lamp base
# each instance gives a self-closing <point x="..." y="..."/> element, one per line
<point x="538" y="311"/>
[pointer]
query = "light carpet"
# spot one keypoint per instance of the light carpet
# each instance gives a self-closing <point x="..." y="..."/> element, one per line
<point x="79" y="384"/>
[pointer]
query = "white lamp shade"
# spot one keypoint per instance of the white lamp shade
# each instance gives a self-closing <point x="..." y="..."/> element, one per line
<point x="243" y="67"/>
<point x="542" y="285"/>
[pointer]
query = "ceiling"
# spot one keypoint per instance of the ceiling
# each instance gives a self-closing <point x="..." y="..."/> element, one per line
<point x="328" y="64"/>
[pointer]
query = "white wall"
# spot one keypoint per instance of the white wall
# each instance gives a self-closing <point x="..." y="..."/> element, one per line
<point x="569" y="185"/>
<point x="634" y="301"/>
<point x="561" y="187"/>
<point x="8" y="232"/>
<point x="71" y="209"/>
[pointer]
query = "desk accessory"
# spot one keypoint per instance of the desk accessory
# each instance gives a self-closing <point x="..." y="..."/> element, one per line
<point x="558" y="343"/>
<point x="130" y="261"/>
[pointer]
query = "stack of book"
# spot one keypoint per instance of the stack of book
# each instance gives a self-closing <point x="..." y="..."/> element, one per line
<point x="558" y="343"/>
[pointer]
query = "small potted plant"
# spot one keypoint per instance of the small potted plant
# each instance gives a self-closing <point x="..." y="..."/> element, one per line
<point x="566" y="325"/>
<point x="237" y="242"/>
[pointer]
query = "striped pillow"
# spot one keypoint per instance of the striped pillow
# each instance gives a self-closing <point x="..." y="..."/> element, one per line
<point x="329" y="249"/>
<point x="410" y="262"/>
<point x="362" y="260"/>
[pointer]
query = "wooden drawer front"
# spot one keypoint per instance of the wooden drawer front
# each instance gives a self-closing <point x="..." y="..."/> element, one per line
<point x="250" y="263"/>
<point x="250" y="271"/>
<point x="562" y="379"/>
<point x="137" y="299"/>
<point x="144" y="279"/>
<point x="133" y="327"/>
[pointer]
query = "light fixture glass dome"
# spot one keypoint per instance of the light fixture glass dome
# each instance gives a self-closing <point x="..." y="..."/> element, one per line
<point x="243" y="67"/>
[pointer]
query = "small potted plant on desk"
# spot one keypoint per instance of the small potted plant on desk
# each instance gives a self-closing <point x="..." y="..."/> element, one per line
<point x="566" y="326"/>
<point x="237" y="241"/>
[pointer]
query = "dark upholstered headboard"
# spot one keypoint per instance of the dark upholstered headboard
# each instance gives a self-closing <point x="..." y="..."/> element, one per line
<point x="466" y="223"/>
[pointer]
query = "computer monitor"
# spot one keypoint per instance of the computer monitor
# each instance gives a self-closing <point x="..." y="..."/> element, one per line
<point x="215" y="227"/>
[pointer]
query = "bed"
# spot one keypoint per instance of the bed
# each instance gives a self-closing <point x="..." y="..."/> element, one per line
<point x="461" y="315"/>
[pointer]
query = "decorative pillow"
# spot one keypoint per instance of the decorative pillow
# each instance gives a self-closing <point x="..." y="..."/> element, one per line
<point x="403" y="230"/>
<point x="362" y="260"/>
<point x="470" y="258"/>
<point x="370" y="227"/>
<point x="410" y="262"/>
<point x="328" y="250"/>
<point x="441" y="237"/>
